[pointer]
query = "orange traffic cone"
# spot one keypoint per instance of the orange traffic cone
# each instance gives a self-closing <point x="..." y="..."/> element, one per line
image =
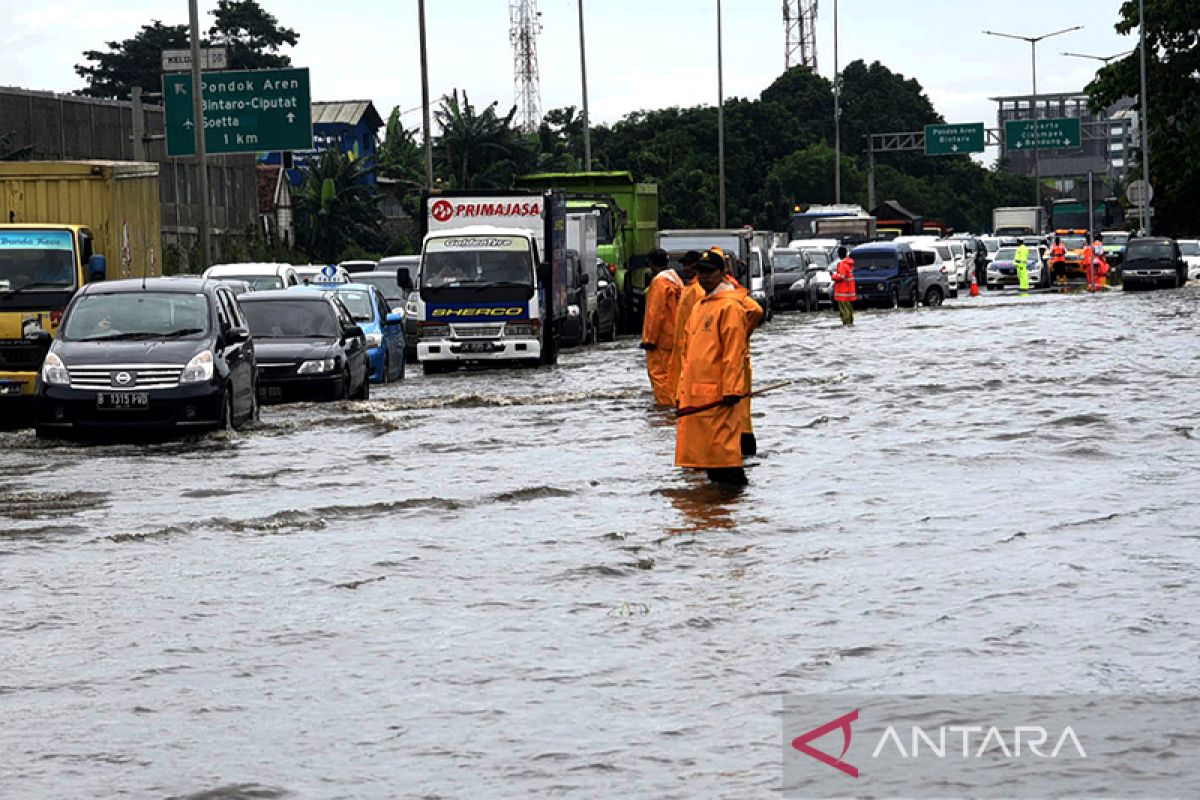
<point x="974" y="284"/>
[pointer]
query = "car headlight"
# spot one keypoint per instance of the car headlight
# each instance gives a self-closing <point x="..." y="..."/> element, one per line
<point x="434" y="331"/>
<point x="529" y="329"/>
<point x="54" y="371"/>
<point x="374" y="339"/>
<point x="572" y="311"/>
<point x="318" y="367"/>
<point x="410" y="306"/>
<point x="199" y="369"/>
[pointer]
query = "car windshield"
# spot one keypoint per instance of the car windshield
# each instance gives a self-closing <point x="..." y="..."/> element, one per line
<point x="874" y="261"/>
<point x="476" y="262"/>
<point x="259" y="283"/>
<point x="992" y="246"/>
<point x="137" y="315"/>
<point x="1116" y="238"/>
<point x="943" y="251"/>
<point x="1157" y="250"/>
<point x="385" y="282"/>
<point x="819" y="258"/>
<point x="1189" y="248"/>
<point x="1006" y="254"/>
<point x="359" y="304"/>
<point x="290" y="319"/>
<point x="36" y="260"/>
<point x="1074" y="242"/>
<point x="789" y="262"/>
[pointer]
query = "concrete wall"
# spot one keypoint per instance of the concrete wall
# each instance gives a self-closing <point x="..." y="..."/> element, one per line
<point x="66" y="127"/>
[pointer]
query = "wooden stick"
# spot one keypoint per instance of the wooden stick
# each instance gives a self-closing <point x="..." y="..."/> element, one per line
<point x="687" y="412"/>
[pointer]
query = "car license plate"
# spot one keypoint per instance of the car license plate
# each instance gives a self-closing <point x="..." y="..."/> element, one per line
<point x="477" y="347"/>
<point x="270" y="392"/>
<point x="123" y="401"/>
<point x="10" y="389"/>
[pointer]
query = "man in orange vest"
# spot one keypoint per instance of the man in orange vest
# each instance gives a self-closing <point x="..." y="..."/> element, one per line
<point x="1089" y="266"/>
<point x="658" y="326"/>
<point x="1101" y="263"/>
<point x="1058" y="261"/>
<point x="716" y="347"/>
<point x="845" y="292"/>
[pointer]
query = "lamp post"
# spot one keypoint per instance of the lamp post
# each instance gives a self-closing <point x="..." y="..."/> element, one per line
<point x="720" y="124"/>
<point x="201" y="144"/>
<point x="1037" y="160"/>
<point x="837" y="114"/>
<point x="587" y="129"/>
<point x="1145" y="117"/>
<point x="425" y="100"/>
<point x="1104" y="59"/>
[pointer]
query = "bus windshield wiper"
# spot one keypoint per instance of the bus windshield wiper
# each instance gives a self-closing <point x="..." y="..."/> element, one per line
<point x="38" y="284"/>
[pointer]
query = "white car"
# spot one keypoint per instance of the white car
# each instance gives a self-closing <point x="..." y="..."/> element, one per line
<point x="943" y="248"/>
<point x="933" y="278"/>
<point x="260" y="277"/>
<point x="1190" y="250"/>
<point x="958" y="249"/>
<point x="826" y="261"/>
<point x="322" y="273"/>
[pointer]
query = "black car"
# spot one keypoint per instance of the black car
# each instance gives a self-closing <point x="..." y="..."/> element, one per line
<point x="308" y="347"/>
<point x="163" y="352"/>
<point x="1152" y="263"/>
<point x="604" y="315"/>
<point x="575" y="328"/>
<point x="794" y="284"/>
<point x="885" y="275"/>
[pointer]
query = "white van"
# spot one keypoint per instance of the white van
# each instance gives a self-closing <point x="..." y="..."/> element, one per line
<point x="261" y="277"/>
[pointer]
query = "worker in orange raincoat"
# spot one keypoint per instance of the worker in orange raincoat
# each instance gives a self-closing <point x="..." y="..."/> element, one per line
<point x="1089" y="266"/>
<point x="687" y="301"/>
<point x="1100" y="262"/>
<point x="658" y="326"/>
<point x="715" y="359"/>
<point x="845" y="292"/>
<point x="754" y="316"/>
<point x="1058" y="261"/>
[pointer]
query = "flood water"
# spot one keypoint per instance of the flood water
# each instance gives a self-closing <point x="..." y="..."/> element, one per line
<point x="496" y="584"/>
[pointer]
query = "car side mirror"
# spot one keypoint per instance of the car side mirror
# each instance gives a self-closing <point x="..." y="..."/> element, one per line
<point x="403" y="279"/>
<point x="601" y="284"/>
<point x="394" y="318"/>
<point x="239" y="335"/>
<point x="353" y="332"/>
<point x="97" y="269"/>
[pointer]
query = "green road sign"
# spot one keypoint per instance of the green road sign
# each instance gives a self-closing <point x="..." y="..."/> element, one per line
<point x="950" y="140"/>
<point x="1051" y="133"/>
<point x="245" y="111"/>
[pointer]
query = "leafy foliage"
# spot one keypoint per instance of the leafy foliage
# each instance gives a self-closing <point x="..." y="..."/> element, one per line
<point x="1173" y="88"/>
<point x="336" y="208"/>
<point x="252" y="36"/>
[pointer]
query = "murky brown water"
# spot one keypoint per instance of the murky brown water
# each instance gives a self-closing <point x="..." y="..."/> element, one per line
<point x="496" y="584"/>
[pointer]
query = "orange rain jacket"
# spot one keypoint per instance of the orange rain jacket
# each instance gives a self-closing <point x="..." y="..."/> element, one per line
<point x="692" y="293"/>
<point x="658" y="329"/>
<point x="844" y="287"/>
<point x="716" y="348"/>
<point x="754" y="315"/>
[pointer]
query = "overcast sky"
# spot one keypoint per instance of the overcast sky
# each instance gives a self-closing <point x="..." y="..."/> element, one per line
<point x="642" y="54"/>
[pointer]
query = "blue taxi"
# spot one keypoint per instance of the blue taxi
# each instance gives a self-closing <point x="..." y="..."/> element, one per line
<point x="383" y="326"/>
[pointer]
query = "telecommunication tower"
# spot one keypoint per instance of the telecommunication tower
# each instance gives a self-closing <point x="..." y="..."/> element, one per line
<point x="526" y="24"/>
<point x="800" y="30"/>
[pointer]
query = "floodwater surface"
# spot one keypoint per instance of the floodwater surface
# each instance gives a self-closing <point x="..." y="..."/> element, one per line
<point x="496" y="584"/>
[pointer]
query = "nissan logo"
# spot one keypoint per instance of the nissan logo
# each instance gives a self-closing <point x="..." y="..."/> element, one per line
<point x="123" y="378"/>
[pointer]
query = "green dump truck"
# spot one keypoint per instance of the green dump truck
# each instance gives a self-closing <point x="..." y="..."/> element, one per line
<point x="626" y="230"/>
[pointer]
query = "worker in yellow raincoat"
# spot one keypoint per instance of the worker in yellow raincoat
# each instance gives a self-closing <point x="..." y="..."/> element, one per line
<point x="692" y="292"/>
<point x="658" y="325"/>
<point x="714" y="372"/>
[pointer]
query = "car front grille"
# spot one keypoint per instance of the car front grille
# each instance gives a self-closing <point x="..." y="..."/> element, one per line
<point x="141" y="377"/>
<point x="277" y="369"/>
<point x="477" y="331"/>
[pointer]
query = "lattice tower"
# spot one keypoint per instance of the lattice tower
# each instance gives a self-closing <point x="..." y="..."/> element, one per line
<point x="526" y="24"/>
<point x="800" y="31"/>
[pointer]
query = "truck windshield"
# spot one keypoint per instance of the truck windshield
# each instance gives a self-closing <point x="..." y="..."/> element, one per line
<point x="137" y="315"/>
<point x="457" y="268"/>
<point x="36" y="260"/>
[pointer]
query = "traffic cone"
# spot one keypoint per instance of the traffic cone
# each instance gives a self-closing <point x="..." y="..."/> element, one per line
<point x="974" y="284"/>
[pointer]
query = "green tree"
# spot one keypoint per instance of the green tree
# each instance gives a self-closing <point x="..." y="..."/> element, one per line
<point x="1173" y="84"/>
<point x="252" y="36"/>
<point x="336" y="208"/>
<point x="402" y="155"/>
<point x="478" y="150"/>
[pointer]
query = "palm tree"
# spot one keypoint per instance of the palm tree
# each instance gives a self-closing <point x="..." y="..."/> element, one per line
<point x="477" y="149"/>
<point x="336" y="207"/>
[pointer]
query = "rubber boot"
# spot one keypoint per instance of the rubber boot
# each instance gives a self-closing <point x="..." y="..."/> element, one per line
<point x="728" y="476"/>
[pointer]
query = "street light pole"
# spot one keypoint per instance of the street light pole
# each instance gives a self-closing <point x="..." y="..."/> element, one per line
<point x="1145" y="120"/>
<point x="201" y="144"/>
<point x="426" y="125"/>
<point x="1037" y="159"/>
<point x="720" y="123"/>
<point x="587" y="129"/>
<point x="837" y="114"/>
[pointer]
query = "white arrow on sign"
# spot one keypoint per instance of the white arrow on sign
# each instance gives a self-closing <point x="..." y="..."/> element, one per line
<point x="291" y="117"/>
<point x="180" y="89"/>
<point x="1066" y="142"/>
<point x="187" y="123"/>
<point x="954" y="148"/>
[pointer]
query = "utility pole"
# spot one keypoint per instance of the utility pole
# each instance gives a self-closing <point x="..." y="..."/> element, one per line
<point x="201" y="153"/>
<point x="720" y="122"/>
<point x="1145" y="120"/>
<point x="837" y="114"/>
<point x="587" y="126"/>
<point x="425" y="99"/>
<point x="1037" y="149"/>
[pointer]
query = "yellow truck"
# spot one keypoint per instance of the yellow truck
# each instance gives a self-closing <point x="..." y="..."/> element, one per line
<point x="64" y="224"/>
